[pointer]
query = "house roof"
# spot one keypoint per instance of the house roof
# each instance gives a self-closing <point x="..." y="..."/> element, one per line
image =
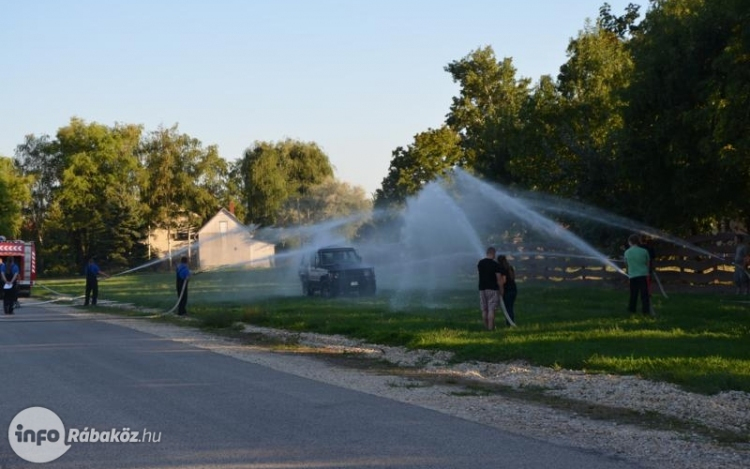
<point x="225" y="213"/>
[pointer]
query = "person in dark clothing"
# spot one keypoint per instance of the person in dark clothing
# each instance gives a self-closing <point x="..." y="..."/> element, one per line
<point x="2" y="269"/>
<point x="92" y="282"/>
<point x="510" y="290"/>
<point x="741" y="279"/>
<point x="182" y="276"/>
<point x="646" y="244"/>
<point x="490" y="287"/>
<point x="9" y="273"/>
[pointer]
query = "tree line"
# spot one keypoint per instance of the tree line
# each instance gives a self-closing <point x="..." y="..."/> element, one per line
<point x="101" y="190"/>
<point x="648" y="118"/>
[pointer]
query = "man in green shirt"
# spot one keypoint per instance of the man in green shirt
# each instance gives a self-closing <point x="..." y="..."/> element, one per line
<point x="638" y="261"/>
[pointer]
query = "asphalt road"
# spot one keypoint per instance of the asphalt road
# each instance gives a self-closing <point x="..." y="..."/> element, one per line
<point x="214" y="411"/>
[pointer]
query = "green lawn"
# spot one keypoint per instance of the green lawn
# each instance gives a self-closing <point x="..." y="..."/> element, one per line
<point x="699" y="340"/>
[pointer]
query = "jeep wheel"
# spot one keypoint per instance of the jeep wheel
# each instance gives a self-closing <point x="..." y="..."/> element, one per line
<point x="306" y="287"/>
<point x="326" y="290"/>
<point x="367" y="290"/>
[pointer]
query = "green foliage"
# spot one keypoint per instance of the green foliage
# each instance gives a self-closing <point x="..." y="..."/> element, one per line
<point x="95" y="192"/>
<point x="432" y="153"/>
<point x="15" y="195"/>
<point x="590" y="117"/>
<point x="274" y="173"/>
<point x="486" y="112"/>
<point x="185" y="182"/>
<point x="621" y="26"/>
<point x="328" y="200"/>
<point x="684" y="128"/>
<point x="39" y="160"/>
<point x="648" y="120"/>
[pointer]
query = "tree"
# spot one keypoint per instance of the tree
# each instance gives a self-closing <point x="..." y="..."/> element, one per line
<point x="432" y="153"/>
<point x="486" y="113"/>
<point x="328" y="200"/>
<point x="621" y="26"/>
<point x="727" y="103"/>
<point x="538" y="163"/>
<point x="273" y="173"/>
<point x="211" y="176"/>
<point x="85" y="190"/>
<point x="686" y="159"/>
<point x="99" y="189"/>
<point x="39" y="159"/>
<point x="185" y="183"/>
<point x="15" y="194"/>
<point x="591" y="85"/>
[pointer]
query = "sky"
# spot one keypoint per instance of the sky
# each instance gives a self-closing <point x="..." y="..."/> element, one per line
<point x="357" y="77"/>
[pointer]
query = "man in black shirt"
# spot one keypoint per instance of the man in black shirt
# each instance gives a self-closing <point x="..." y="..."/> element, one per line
<point x="490" y="287"/>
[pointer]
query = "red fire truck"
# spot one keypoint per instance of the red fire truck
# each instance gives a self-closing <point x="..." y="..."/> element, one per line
<point x="24" y="255"/>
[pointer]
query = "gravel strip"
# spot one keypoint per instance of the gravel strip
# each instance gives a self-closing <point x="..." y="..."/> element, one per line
<point x="680" y="449"/>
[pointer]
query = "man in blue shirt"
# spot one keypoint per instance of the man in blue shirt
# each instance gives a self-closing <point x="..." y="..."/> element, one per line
<point x="183" y="275"/>
<point x="92" y="282"/>
<point x="9" y="273"/>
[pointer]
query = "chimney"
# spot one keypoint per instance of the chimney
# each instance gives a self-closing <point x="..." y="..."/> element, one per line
<point x="231" y="207"/>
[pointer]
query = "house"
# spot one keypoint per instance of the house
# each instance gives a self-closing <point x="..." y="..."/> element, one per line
<point x="224" y="241"/>
<point x="167" y="243"/>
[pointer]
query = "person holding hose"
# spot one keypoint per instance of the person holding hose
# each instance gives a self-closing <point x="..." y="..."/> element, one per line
<point x="183" y="276"/>
<point x="638" y="262"/>
<point x="510" y="291"/>
<point x="92" y="282"/>
<point x="741" y="279"/>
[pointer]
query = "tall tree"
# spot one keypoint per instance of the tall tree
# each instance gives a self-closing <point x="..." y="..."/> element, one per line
<point x="15" y="194"/>
<point x="99" y="190"/>
<point x="272" y="173"/>
<point x="687" y="117"/>
<point x="39" y="159"/>
<point x="328" y="200"/>
<point x="591" y="85"/>
<point x="432" y="153"/>
<point x="185" y="183"/>
<point x="486" y="112"/>
<point x="538" y="163"/>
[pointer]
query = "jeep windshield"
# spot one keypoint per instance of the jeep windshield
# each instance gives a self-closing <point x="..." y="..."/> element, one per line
<point x="348" y="256"/>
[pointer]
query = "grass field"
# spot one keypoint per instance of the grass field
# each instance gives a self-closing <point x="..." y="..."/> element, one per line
<point x="699" y="340"/>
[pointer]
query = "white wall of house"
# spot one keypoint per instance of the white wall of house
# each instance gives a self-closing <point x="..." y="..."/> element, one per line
<point x="225" y="241"/>
<point x="160" y="244"/>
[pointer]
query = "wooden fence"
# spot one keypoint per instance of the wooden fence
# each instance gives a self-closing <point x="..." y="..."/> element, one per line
<point x="699" y="260"/>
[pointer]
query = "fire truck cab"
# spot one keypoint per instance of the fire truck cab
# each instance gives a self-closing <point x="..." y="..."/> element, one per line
<point x="24" y="256"/>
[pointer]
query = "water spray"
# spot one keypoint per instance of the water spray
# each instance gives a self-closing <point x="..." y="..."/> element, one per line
<point x="590" y="213"/>
<point x="519" y="209"/>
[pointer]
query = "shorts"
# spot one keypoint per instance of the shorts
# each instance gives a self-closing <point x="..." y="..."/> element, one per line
<point x="489" y="300"/>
